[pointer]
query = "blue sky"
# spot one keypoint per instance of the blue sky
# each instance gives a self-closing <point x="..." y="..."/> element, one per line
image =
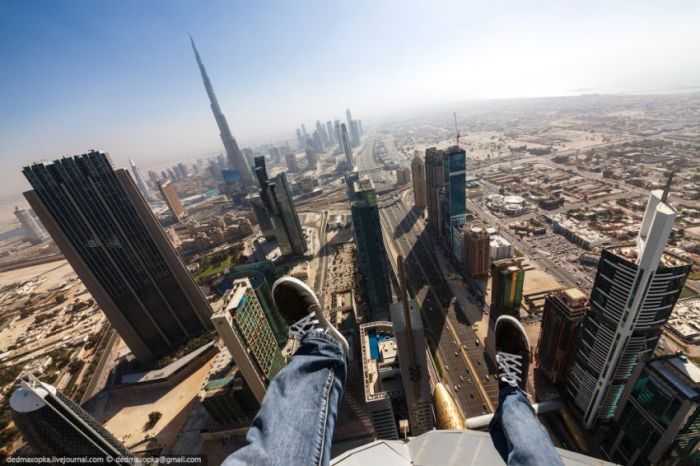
<point x="120" y="76"/>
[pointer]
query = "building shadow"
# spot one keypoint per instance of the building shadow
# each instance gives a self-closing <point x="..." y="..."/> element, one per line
<point x="407" y="222"/>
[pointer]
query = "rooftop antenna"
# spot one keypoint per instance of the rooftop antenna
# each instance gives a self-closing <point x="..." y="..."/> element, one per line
<point x="454" y="114"/>
<point x="667" y="188"/>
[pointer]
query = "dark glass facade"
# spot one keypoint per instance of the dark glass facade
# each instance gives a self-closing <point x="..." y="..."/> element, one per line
<point x="277" y="200"/>
<point x="371" y="253"/>
<point x="62" y="428"/>
<point x="658" y="421"/>
<point x="101" y="225"/>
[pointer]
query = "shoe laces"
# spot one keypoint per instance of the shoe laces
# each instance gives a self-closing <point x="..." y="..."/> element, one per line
<point x="509" y="368"/>
<point x="304" y="325"/>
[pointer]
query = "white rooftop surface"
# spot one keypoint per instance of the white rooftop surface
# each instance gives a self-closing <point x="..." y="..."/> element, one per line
<point x="441" y="448"/>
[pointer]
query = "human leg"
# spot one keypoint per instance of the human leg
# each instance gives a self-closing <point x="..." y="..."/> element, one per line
<point x="516" y="432"/>
<point x="296" y="419"/>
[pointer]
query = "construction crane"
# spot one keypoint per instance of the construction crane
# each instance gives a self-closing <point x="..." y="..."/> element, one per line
<point x="456" y="128"/>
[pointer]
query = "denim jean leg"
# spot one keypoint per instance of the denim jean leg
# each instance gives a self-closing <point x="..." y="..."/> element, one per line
<point x="526" y="440"/>
<point x="296" y="419"/>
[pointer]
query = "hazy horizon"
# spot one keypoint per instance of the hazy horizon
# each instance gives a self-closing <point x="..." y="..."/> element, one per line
<point x="121" y="76"/>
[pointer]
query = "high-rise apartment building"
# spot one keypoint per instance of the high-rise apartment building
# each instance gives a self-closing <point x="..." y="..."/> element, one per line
<point x="229" y="400"/>
<point x="104" y="228"/>
<point x="322" y="132"/>
<point x="507" y="278"/>
<point x="347" y="148"/>
<point x="277" y="199"/>
<point x="454" y="167"/>
<point x="244" y="328"/>
<point x="658" y="417"/>
<point x="233" y="153"/>
<point x="419" y="187"/>
<point x="33" y="229"/>
<point x="476" y="251"/>
<point x="311" y="158"/>
<point x="403" y="176"/>
<point x="53" y="425"/>
<point x="371" y="253"/>
<point x="262" y="275"/>
<point x="563" y="312"/>
<point x="338" y="134"/>
<point x="635" y="289"/>
<point x="434" y="182"/>
<point x="292" y="164"/>
<point x="331" y="133"/>
<point x="172" y="200"/>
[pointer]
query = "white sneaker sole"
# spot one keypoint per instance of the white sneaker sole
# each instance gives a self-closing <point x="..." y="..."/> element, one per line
<point x="330" y="329"/>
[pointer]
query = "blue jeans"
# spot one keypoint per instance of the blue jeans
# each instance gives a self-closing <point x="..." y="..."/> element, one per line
<point x="296" y="419"/>
<point x="517" y="434"/>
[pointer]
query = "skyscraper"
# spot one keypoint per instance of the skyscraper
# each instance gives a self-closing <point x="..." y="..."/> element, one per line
<point x="261" y="276"/>
<point x="476" y="251"/>
<point x="563" y="312"/>
<point x="403" y="176"/>
<point x="291" y="160"/>
<point x="243" y="327"/>
<point x="169" y="195"/>
<point x="229" y="400"/>
<point x="104" y="228"/>
<point x="53" y="425"/>
<point x="233" y="153"/>
<point x="507" y="278"/>
<point x="371" y="253"/>
<point x="277" y="200"/>
<point x="32" y="228"/>
<point x="331" y="133"/>
<point x="140" y="182"/>
<point x="635" y="290"/>
<point x="311" y="158"/>
<point x="434" y="183"/>
<point x="353" y="130"/>
<point x="263" y="217"/>
<point x="338" y="134"/>
<point x="658" y="418"/>
<point x="346" y="147"/>
<point x="454" y="167"/>
<point x="300" y="139"/>
<point x="418" y="175"/>
<point x="322" y="132"/>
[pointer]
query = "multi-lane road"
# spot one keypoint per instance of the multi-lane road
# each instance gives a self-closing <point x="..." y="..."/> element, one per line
<point x="459" y="352"/>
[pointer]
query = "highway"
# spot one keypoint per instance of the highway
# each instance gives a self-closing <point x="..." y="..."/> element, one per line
<point x="461" y="358"/>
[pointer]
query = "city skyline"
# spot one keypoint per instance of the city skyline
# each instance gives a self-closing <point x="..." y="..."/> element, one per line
<point x="155" y="101"/>
<point x="402" y="218"/>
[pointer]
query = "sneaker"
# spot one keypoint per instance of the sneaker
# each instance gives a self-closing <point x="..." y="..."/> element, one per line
<point x="300" y="307"/>
<point x="512" y="352"/>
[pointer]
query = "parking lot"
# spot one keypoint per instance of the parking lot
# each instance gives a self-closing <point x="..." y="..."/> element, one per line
<point x="565" y="255"/>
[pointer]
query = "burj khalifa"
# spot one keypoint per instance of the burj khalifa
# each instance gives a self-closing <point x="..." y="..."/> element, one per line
<point x="235" y="158"/>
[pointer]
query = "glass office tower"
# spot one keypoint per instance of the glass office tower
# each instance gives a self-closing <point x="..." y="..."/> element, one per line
<point x="103" y="226"/>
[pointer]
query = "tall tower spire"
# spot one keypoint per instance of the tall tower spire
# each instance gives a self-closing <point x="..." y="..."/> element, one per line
<point x="233" y="153"/>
